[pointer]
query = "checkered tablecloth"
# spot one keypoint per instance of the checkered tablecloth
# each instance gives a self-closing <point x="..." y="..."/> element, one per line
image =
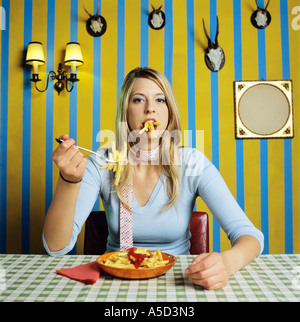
<point x="33" y="278"/>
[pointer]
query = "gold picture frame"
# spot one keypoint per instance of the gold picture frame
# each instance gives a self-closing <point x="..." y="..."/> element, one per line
<point x="264" y="109"/>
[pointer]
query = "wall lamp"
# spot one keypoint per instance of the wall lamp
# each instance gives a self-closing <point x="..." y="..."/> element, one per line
<point x="73" y="58"/>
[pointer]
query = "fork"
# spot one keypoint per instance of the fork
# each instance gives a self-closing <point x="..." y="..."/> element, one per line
<point x="90" y="151"/>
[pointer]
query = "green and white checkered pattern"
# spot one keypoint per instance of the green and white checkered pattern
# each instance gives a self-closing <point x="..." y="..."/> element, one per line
<point x="33" y="278"/>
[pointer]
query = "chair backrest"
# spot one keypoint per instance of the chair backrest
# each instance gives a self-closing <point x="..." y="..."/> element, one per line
<point x="96" y="233"/>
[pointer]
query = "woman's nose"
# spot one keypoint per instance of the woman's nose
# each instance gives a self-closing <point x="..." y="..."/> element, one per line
<point x="149" y="107"/>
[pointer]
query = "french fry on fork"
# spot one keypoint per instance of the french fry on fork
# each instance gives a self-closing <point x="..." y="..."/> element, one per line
<point x="118" y="167"/>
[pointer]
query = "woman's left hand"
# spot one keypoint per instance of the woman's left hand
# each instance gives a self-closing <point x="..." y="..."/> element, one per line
<point x="208" y="270"/>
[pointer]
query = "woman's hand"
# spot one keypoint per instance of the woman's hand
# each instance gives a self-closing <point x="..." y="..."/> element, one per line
<point x="212" y="271"/>
<point x="208" y="270"/>
<point x="70" y="161"/>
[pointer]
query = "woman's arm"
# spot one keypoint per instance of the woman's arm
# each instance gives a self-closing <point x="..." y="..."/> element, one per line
<point x="212" y="271"/>
<point x="58" y="226"/>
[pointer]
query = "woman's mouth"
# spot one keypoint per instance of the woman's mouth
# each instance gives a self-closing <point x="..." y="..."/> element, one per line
<point x="149" y="125"/>
<point x="153" y="121"/>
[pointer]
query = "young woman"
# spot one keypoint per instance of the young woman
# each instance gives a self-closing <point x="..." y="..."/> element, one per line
<point x="155" y="192"/>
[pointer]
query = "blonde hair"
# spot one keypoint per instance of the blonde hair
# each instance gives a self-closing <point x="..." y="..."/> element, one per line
<point x="168" y="146"/>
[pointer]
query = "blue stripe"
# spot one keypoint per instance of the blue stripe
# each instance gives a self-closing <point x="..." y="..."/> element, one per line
<point x="96" y="92"/>
<point x="120" y="44"/>
<point x="288" y="166"/>
<point x="214" y="91"/>
<point x="240" y="183"/>
<point x="73" y="94"/>
<point x="261" y="39"/>
<point x="264" y="190"/>
<point x="49" y="103"/>
<point x="285" y="42"/>
<point x="214" y="79"/>
<point x="288" y="196"/>
<point x="191" y="76"/>
<point x="144" y="59"/>
<point x="237" y="32"/>
<point x="262" y="68"/>
<point x="215" y="146"/>
<point x="238" y="68"/>
<point x="3" y="126"/>
<point x="191" y="72"/>
<point x="26" y="140"/>
<point x="168" y="59"/>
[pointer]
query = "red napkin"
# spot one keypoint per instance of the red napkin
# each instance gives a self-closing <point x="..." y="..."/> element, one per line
<point x="86" y="273"/>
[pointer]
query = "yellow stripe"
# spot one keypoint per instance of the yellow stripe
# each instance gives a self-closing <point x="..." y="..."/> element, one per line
<point x="85" y="93"/>
<point x="85" y="85"/>
<point x="276" y="147"/>
<point x="61" y="102"/>
<point x="132" y="34"/>
<point x="180" y="59"/>
<point x="202" y="76"/>
<point x="202" y="84"/>
<point x="38" y="136"/>
<point x="295" y="76"/>
<point x="156" y="43"/>
<point x="15" y="125"/>
<point x="226" y="115"/>
<point x="251" y="147"/>
<point x="109" y="66"/>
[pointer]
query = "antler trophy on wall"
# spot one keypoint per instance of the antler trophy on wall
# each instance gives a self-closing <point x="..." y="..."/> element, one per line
<point x="261" y="18"/>
<point x="96" y="24"/>
<point x="157" y="18"/>
<point x="214" y="54"/>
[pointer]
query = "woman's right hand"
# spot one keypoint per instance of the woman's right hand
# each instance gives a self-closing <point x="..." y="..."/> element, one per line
<point x="70" y="161"/>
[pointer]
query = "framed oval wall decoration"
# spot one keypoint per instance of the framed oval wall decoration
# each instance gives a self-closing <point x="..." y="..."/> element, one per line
<point x="263" y="109"/>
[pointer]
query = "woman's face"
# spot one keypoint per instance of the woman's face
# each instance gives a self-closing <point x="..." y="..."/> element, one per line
<point x="147" y="102"/>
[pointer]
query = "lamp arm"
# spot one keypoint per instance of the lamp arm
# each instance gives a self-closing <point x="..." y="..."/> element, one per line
<point x="67" y="87"/>
<point x="47" y="82"/>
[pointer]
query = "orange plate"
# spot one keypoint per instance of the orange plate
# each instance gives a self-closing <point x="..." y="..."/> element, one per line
<point x="136" y="274"/>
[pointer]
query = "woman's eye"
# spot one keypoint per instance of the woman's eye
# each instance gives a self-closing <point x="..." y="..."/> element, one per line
<point x="161" y="100"/>
<point x="137" y="100"/>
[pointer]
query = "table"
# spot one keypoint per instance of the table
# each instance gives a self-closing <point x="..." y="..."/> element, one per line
<point x="32" y="278"/>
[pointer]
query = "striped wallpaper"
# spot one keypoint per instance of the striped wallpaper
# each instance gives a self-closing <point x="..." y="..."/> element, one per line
<point x="264" y="175"/>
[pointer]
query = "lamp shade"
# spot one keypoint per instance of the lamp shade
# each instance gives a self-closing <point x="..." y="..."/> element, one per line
<point x="35" y="54"/>
<point x="73" y="54"/>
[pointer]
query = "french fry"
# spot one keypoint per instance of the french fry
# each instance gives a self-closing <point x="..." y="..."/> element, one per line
<point x="118" y="167"/>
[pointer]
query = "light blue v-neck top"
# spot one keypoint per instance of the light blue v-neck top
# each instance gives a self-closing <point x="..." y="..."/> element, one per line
<point x="168" y="230"/>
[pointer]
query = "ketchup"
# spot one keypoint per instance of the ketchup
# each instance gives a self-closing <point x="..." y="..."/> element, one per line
<point x="138" y="258"/>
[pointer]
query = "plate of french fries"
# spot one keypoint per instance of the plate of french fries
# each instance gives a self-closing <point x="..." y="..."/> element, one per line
<point x="136" y="263"/>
